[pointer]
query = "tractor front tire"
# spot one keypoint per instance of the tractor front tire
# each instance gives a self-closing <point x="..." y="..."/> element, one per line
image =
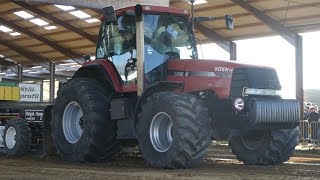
<point x="16" y="137"/>
<point x="265" y="147"/>
<point x="81" y="124"/>
<point x="173" y="130"/>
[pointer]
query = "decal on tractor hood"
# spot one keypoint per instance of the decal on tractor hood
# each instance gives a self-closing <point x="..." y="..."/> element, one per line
<point x="220" y="72"/>
<point x="223" y="69"/>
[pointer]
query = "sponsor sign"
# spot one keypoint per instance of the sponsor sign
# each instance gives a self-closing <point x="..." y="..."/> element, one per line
<point x="30" y="92"/>
<point x="34" y="115"/>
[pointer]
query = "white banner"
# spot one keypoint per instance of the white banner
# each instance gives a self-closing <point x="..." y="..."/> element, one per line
<point x="30" y="92"/>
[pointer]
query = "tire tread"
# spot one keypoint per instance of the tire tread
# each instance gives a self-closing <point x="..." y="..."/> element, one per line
<point x="101" y="144"/>
<point x="192" y="125"/>
<point x="278" y="150"/>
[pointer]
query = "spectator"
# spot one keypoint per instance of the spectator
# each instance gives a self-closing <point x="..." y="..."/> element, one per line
<point x="317" y="108"/>
<point x="313" y="115"/>
<point x="309" y="104"/>
<point x="305" y="112"/>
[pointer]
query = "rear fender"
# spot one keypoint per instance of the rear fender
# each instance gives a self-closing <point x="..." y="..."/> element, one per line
<point x="155" y="88"/>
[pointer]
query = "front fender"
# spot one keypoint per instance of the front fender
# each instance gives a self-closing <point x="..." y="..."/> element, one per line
<point x="103" y="72"/>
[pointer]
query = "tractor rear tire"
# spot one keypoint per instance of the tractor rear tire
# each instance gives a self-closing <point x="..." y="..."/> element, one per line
<point x="173" y="130"/>
<point x="81" y="124"/>
<point x="16" y="137"/>
<point x="267" y="148"/>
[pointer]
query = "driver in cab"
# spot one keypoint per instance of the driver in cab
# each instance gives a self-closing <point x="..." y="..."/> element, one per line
<point x="128" y="45"/>
<point x="129" y="40"/>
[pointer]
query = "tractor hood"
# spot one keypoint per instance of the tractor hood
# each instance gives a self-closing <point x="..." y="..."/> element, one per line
<point x="216" y="75"/>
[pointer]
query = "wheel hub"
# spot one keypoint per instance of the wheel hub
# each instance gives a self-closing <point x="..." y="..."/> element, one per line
<point x="254" y="140"/>
<point x="81" y="122"/>
<point x="160" y="132"/>
<point x="11" y="137"/>
<point x="72" y="122"/>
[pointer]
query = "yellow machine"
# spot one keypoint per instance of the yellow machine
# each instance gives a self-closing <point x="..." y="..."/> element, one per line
<point x="9" y="92"/>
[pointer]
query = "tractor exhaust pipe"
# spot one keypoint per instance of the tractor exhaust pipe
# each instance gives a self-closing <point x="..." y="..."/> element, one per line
<point x="140" y="48"/>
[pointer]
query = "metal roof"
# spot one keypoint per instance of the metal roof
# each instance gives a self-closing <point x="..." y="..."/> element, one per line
<point x="296" y="15"/>
<point x="75" y="37"/>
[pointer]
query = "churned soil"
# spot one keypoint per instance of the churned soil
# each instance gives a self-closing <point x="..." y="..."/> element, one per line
<point x="219" y="164"/>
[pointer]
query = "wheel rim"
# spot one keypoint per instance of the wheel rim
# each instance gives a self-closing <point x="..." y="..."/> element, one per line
<point x="11" y="137"/>
<point x="72" y="122"/>
<point x="160" y="132"/>
<point x="254" y="140"/>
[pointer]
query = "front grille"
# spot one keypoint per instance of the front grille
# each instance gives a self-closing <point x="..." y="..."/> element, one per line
<point x="274" y="113"/>
<point x="258" y="78"/>
<point x="238" y="82"/>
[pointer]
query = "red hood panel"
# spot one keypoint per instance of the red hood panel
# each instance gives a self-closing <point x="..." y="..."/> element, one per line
<point x="208" y="65"/>
<point x="200" y="75"/>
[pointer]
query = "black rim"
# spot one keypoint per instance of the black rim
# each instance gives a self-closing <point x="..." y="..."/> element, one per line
<point x="254" y="140"/>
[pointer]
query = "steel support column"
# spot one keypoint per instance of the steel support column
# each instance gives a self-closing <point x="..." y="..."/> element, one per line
<point x="52" y="79"/>
<point x="299" y="72"/>
<point x="20" y="73"/>
<point x="233" y="51"/>
<point x="41" y="91"/>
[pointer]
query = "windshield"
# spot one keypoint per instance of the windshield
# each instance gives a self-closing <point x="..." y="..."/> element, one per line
<point x="163" y="33"/>
<point x="170" y="34"/>
<point x="114" y="39"/>
<point x="166" y="37"/>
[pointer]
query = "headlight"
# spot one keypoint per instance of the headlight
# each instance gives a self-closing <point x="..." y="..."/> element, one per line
<point x="261" y="92"/>
<point x="238" y="104"/>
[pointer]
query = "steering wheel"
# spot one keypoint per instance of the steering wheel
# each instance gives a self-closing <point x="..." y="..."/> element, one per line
<point x="188" y="44"/>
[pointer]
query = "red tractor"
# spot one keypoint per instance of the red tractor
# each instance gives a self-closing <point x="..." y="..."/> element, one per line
<point x="147" y="86"/>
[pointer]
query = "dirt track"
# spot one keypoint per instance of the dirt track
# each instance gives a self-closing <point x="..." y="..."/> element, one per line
<point x="219" y="164"/>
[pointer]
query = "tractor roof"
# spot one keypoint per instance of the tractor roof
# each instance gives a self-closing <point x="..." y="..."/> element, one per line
<point x="152" y="9"/>
<point x="156" y="9"/>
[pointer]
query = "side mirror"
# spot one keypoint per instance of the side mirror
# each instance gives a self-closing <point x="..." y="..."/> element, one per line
<point x="229" y="22"/>
<point x="228" y="18"/>
<point x="87" y="57"/>
<point x="109" y="15"/>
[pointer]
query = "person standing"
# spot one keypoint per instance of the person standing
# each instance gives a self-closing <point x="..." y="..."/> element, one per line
<point x="313" y="115"/>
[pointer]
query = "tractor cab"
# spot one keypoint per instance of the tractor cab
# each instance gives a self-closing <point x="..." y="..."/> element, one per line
<point x="165" y="36"/>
